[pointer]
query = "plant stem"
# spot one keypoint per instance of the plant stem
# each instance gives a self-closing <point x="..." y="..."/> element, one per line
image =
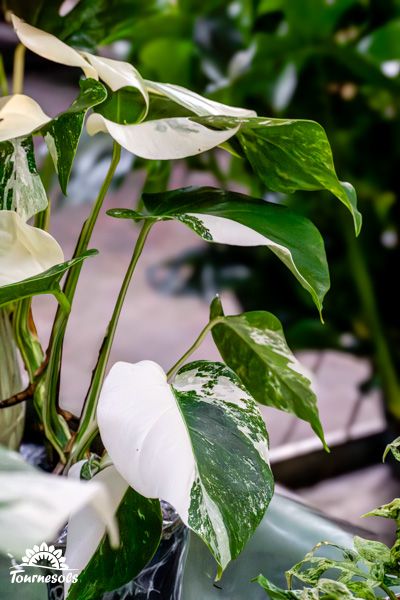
<point x="383" y="358"/>
<point x="18" y="69"/>
<point x="88" y="424"/>
<point x="46" y="395"/>
<point x="3" y="78"/>
<point x="388" y="591"/>
<point x="193" y="347"/>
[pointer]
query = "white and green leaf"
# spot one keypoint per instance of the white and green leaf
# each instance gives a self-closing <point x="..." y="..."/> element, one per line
<point x="34" y="505"/>
<point x="200" y="444"/>
<point x="161" y="139"/>
<point x="290" y="155"/>
<point x="101" y="568"/>
<point x="254" y="346"/>
<point x="21" y="188"/>
<point x="25" y="251"/>
<point x="239" y="220"/>
<point x="63" y="133"/>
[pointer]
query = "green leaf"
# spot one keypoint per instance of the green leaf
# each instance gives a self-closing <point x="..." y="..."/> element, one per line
<point x="47" y="282"/>
<point x="388" y="511"/>
<point x="124" y="106"/>
<point x="254" y="346"/>
<point x="383" y="44"/>
<point x="372" y="551"/>
<point x="21" y="188"/>
<point x="290" y="155"/>
<point x="209" y="428"/>
<point x="394" y="448"/>
<point x="140" y="524"/>
<point x="62" y="134"/>
<point x="360" y="589"/>
<point x="274" y="592"/>
<point x="236" y="219"/>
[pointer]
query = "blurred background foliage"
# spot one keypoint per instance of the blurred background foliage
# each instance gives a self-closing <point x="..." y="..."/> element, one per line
<point x="334" y="61"/>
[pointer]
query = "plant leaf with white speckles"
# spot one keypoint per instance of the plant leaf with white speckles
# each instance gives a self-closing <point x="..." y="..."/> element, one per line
<point x="200" y="444"/>
<point x="62" y="134"/>
<point x="21" y="189"/>
<point x="254" y="346"/>
<point x="101" y="568"/>
<point x="290" y="155"/>
<point x="236" y="219"/>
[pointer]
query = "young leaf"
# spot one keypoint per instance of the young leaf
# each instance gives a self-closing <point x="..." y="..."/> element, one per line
<point x="35" y="505"/>
<point x="162" y="139"/>
<point x="254" y="346"/>
<point x="26" y="251"/>
<point x="21" y="188"/>
<point x="274" y="592"/>
<point x="46" y="282"/>
<point x="19" y="116"/>
<point x="102" y="568"/>
<point x="290" y="155"/>
<point x="394" y="448"/>
<point x="200" y="444"/>
<point x="62" y="134"/>
<point x="236" y="219"/>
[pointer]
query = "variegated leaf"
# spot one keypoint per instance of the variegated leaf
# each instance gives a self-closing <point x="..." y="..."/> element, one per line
<point x="200" y="444"/>
<point x="21" y="188"/>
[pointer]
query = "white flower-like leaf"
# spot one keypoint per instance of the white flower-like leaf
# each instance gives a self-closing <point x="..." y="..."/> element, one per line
<point x="161" y="139"/>
<point x="35" y="505"/>
<point x="194" y="102"/>
<point x="25" y="251"/>
<point x="200" y="444"/>
<point x="20" y="115"/>
<point x="116" y="74"/>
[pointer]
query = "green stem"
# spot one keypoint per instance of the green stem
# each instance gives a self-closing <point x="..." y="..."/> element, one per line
<point x="193" y="347"/>
<point x="388" y="591"/>
<point x="383" y="358"/>
<point x="26" y="338"/>
<point x="3" y="78"/>
<point x="88" y="424"/>
<point x="18" y="69"/>
<point x="46" y="395"/>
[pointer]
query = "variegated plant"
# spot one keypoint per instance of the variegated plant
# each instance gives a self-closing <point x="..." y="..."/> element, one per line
<point x="193" y="436"/>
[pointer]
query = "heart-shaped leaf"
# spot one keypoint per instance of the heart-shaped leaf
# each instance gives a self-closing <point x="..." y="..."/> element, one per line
<point x="20" y="116"/>
<point x="102" y="568"/>
<point x="62" y="134"/>
<point x="290" y="155"/>
<point x="236" y="219"/>
<point x="21" y="188"/>
<point x="254" y="346"/>
<point x="46" y="282"/>
<point x="200" y="444"/>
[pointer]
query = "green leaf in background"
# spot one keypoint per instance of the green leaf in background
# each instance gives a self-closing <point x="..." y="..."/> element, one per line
<point x="47" y="282"/>
<point x="236" y="219"/>
<point x="254" y="346"/>
<point x="140" y="524"/>
<point x="62" y="134"/>
<point x="383" y="45"/>
<point x="290" y="155"/>
<point x="209" y="428"/>
<point x="21" y="188"/>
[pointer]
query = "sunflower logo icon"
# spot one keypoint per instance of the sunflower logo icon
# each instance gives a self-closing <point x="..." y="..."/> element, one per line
<point x="44" y="556"/>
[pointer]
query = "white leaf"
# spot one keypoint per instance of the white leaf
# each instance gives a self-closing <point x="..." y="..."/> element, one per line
<point x="161" y="139"/>
<point x="86" y="528"/>
<point x="20" y="115"/>
<point x="227" y="231"/>
<point x="50" y="47"/>
<point x="24" y="250"/>
<point x="34" y="505"/>
<point x="118" y="74"/>
<point x="201" y="106"/>
<point x="200" y="444"/>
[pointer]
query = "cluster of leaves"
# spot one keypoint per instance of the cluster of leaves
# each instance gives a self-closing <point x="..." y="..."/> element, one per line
<point x="364" y="571"/>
